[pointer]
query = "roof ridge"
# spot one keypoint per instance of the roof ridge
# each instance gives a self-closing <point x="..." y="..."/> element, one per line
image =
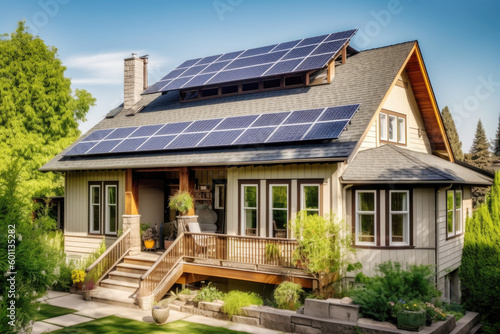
<point x="418" y="161"/>
<point x="390" y="45"/>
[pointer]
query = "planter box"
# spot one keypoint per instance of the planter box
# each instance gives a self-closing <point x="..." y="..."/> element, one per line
<point x="411" y="320"/>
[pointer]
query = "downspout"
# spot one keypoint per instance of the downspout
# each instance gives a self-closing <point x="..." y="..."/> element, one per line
<point x="344" y="209"/>
<point x="436" y="238"/>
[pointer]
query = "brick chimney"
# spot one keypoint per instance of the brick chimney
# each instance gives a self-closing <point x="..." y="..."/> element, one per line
<point x="136" y="79"/>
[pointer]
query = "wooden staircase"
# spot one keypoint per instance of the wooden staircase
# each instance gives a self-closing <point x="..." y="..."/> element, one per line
<point x="120" y="285"/>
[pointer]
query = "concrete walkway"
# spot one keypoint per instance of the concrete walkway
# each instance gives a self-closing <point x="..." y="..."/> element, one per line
<point x="88" y="311"/>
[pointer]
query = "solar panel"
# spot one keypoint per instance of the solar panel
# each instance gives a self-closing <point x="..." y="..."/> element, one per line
<point x="307" y="54"/>
<point x="280" y="127"/>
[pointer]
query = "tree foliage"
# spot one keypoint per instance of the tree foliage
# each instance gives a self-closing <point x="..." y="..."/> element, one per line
<point x="480" y="270"/>
<point x="325" y="249"/>
<point x="35" y="259"/>
<point x="480" y="155"/>
<point x="496" y="145"/>
<point x="451" y="132"/>
<point x="39" y="112"/>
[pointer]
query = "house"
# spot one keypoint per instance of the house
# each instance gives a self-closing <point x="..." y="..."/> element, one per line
<point x="259" y="135"/>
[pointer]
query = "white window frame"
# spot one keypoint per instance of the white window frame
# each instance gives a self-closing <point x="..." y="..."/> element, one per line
<point x="107" y="222"/>
<point x="399" y="138"/>
<point x="271" y="225"/>
<point x="91" y="211"/>
<point x="303" y="197"/>
<point x="358" y="221"/>
<point x="243" y="207"/>
<point x="217" y="191"/>
<point x="454" y="211"/>
<point x="406" y="228"/>
<point x="383" y="132"/>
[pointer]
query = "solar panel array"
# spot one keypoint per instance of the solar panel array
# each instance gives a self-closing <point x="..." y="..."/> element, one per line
<point x="281" y="127"/>
<point x="285" y="58"/>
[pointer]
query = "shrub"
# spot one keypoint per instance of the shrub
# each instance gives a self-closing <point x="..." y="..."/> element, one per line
<point x="480" y="270"/>
<point x="324" y="250"/>
<point x="272" y="253"/>
<point x="288" y="296"/>
<point x="185" y="291"/>
<point x="392" y="285"/>
<point x="209" y="293"/>
<point x="235" y="300"/>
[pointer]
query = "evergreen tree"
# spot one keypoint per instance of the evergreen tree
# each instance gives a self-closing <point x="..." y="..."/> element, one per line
<point x="497" y="140"/>
<point x="39" y="112"/>
<point x="480" y="269"/>
<point x="480" y="152"/>
<point x="451" y="132"/>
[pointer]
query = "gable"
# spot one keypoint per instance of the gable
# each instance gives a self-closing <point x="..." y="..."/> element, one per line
<point x="411" y="96"/>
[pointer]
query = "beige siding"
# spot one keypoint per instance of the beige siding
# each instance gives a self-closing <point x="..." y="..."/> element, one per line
<point x="450" y="250"/>
<point x="423" y="233"/>
<point x="401" y="100"/>
<point x="327" y="172"/>
<point x="77" y="209"/>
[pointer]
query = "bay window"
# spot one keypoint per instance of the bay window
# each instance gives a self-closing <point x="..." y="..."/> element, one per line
<point x="392" y="127"/>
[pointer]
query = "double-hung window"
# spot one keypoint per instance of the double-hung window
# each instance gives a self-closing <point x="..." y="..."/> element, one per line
<point x="310" y="198"/>
<point x="249" y="208"/>
<point x="366" y="218"/>
<point x="399" y="218"/>
<point x="454" y="216"/>
<point x="392" y="127"/>
<point x="278" y="210"/>
<point x="103" y="208"/>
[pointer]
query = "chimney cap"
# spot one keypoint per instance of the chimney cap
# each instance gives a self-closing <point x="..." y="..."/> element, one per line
<point x="134" y="55"/>
<point x="144" y="57"/>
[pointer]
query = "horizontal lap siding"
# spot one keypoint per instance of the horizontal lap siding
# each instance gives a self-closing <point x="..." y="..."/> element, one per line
<point x="285" y="172"/>
<point x="423" y="234"/>
<point x="77" y="208"/>
<point x="450" y="251"/>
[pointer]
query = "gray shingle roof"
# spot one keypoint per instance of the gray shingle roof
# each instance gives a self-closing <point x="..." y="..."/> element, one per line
<point x="364" y="79"/>
<point x="394" y="164"/>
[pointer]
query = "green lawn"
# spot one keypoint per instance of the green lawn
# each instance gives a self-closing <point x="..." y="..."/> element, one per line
<point x="49" y="311"/>
<point x="115" y="324"/>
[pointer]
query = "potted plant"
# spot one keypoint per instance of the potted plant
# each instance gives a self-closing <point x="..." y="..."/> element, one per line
<point x="160" y="312"/>
<point x="410" y="315"/>
<point x="182" y="202"/>
<point x="149" y="237"/>
<point x="89" y="289"/>
<point x="78" y="276"/>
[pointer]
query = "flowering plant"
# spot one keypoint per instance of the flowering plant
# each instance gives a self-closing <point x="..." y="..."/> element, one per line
<point x="78" y="276"/>
<point x="434" y="312"/>
<point x="402" y="306"/>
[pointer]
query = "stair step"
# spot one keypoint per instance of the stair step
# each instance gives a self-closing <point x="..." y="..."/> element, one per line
<point x="476" y="328"/>
<point x="115" y="297"/>
<point x="143" y="259"/>
<point x="132" y="268"/>
<point x="124" y="276"/>
<point x="120" y="285"/>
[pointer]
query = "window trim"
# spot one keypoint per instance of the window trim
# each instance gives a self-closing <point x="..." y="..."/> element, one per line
<point x="455" y="233"/>
<point x="241" y="183"/>
<point x="376" y="212"/>
<point x="409" y="233"/>
<point x="107" y="224"/>
<point x="269" y="222"/>
<point x="384" y="138"/>
<point x="91" y="230"/>
<point x="217" y="196"/>
<point x="309" y="182"/>
<point x="103" y="207"/>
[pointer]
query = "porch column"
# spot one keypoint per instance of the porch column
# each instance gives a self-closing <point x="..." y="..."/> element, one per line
<point x="131" y="218"/>
<point x="186" y="183"/>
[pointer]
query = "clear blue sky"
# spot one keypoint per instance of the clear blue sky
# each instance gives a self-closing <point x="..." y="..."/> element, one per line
<point x="460" y="41"/>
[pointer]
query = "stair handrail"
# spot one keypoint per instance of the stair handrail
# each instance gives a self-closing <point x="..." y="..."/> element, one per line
<point x="109" y="258"/>
<point x="157" y="263"/>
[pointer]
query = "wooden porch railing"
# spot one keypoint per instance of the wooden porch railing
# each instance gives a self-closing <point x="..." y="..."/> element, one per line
<point x="220" y="247"/>
<point x="110" y="258"/>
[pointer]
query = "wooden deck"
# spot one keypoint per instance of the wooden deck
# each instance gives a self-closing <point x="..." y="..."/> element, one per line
<point x="198" y="256"/>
